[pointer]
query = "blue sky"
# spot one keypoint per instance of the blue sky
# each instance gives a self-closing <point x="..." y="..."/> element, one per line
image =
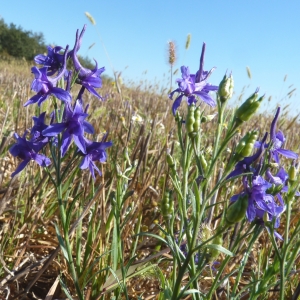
<point x="259" y="34"/>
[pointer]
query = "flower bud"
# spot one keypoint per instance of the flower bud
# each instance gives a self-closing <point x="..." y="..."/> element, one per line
<point x="218" y="240"/>
<point x="170" y="160"/>
<point x="226" y="88"/>
<point x="237" y="210"/>
<point x="248" y="108"/>
<point x="203" y="162"/>
<point x="293" y="173"/>
<point x="274" y="189"/>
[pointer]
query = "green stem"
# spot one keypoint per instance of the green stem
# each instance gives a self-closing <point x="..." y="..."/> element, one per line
<point x="257" y="232"/>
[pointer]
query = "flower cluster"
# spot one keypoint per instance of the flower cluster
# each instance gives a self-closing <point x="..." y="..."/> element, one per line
<point x="265" y="202"/>
<point x="194" y="85"/>
<point x="68" y="123"/>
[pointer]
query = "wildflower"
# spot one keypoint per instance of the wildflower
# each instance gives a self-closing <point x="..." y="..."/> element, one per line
<point x="245" y="164"/>
<point x="39" y="126"/>
<point x="73" y="126"/>
<point x="54" y="60"/>
<point x="27" y="151"/>
<point x="280" y="182"/>
<point x="259" y="202"/>
<point x="95" y="151"/>
<point x="277" y="140"/>
<point x="192" y="85"/>
<point x="90" y="79"/>
<point x="46" y="86"/>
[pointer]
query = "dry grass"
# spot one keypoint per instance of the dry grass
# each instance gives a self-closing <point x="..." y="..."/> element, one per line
<point x="28" y="204"/>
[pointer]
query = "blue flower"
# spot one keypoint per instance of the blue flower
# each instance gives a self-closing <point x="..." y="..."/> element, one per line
<point x="38" y="127"/>
<point x="277" y="140"/>
<point x="90" y="79"/>
<point x="46" y="86"/>
<point x="194" y="85"/>
<point x="73" y="127"/>
<point x="95" y="151"/>
<point x="244" y="165"/>
<point x="259" y="202"/>
<point x="54" y="60"/>
<point x="27" y="151"/>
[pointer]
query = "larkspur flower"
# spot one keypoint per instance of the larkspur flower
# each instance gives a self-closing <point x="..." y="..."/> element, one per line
<point x="90" y="79"/>
<point x="95" y="151"/>
<point x="73" y="127"/>
<point x="27" y="151"/>
<point x="259" y="202"/>
<point x="46" y="86"/>
<point x="277" y="141"/>
<point x="244" y="165"/>
<point x="194" y="85"/>
<point x="280" y="180"/>
<point x="54" y="60"/>
<point x="38" y="127"/>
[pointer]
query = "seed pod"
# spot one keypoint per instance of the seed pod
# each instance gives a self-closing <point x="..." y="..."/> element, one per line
<point x="248" y="108"/>
<point x="167" y="205"/>
<point x="236" y="212"/>
<point x="197" y="116"/>
<point x="190" y="120"/>
<point x="246" y="144"/>
<point x="226" y="88"/>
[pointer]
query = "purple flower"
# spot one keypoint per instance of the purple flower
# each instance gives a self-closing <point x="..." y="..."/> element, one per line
<point x="73" y="127"/>
<point x="95" y="151"/>
<point x="281" y="180"/>
<point x="90" y="79"/>
<point x="277" y="140"/>
<point x="38" y="127"/>
<point x="260" y="203"/>
<point x="192" y="85"/>
<point x="27" y="151"/>
<point x="46" y="86"/>
<point x="244" y="165"/>
<point x="54" y="60"/>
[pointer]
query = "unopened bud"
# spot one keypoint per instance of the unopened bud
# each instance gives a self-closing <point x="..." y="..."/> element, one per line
<point x="236" y="212"/>
<point x="293" y="173"/>
<point x="218" y="240"/>
<point x="226" y="88"/>
<point x="274" y="189"/>
<point x="203" y="162"/>
<point x="248" y="108"/>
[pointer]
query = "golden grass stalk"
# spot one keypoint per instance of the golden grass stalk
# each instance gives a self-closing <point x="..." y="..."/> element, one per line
<point x="91" y="19"/>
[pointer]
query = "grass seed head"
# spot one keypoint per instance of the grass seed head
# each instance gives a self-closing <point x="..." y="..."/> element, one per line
<point x="172" y="52"/>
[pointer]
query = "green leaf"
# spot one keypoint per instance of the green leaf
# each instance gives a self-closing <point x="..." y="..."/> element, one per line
<point x="61" y="243"/>
<point x="219" y="248"/>
<point x="65" y="289"/>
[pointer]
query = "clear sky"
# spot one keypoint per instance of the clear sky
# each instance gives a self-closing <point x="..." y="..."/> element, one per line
<point x="263" y="35"/>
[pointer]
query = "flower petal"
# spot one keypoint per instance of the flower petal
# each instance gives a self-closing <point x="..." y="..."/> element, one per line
<point x="54" y="129"/>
